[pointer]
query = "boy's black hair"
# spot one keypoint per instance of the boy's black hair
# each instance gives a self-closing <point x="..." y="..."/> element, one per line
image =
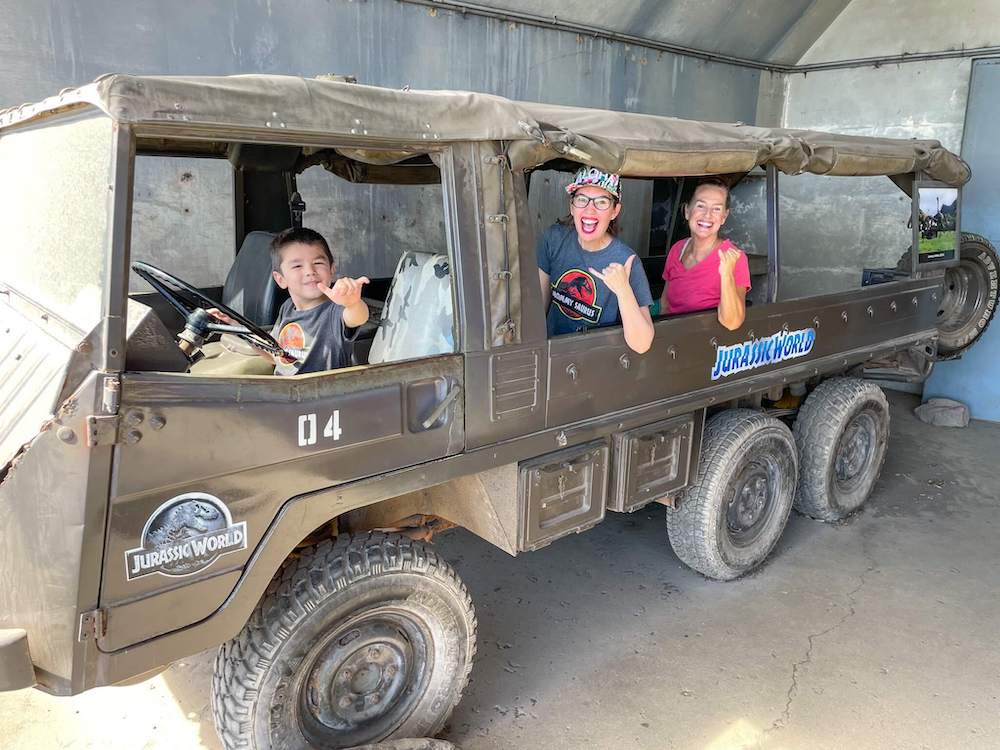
<point x="714" y="182"/>
<point x="292" y="235"/>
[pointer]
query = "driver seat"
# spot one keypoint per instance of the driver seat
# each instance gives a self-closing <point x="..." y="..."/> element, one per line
<point x="250" y="289"/>
<point x="252" y="292"/>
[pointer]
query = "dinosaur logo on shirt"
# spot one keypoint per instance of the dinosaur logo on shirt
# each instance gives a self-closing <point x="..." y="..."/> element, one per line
<point x="575" y="293"/>
<point x="293" y="340"/>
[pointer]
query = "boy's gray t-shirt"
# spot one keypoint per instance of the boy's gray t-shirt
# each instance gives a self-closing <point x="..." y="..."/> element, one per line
<point x="579" y="299"/>
<point x="316" y="337"/>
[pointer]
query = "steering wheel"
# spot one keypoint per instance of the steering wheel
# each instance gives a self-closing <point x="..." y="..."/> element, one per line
<point x="198" y="323"/>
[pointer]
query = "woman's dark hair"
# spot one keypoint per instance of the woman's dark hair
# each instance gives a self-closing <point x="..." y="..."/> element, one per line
<point x="714" y="182"/>
<point x="301" y="235"/>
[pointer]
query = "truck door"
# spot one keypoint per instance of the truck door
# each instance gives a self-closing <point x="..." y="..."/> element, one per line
<point x="204" y="463"/>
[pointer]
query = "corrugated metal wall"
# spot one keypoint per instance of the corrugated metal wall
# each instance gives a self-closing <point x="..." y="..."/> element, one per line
<point x="51" y="44"/>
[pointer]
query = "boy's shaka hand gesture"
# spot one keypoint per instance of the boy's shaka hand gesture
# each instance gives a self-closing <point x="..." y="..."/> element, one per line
<point x="345" y="291"/>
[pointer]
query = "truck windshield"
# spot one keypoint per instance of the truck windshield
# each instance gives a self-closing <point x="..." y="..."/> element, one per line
<point x="54" y="207"/>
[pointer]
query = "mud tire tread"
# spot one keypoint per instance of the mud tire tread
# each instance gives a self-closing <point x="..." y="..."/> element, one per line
<point x="954" y="349"/>
<point x="817" y="429"/>
<point x="318" y="572"/>
<point x="691" y="526"/>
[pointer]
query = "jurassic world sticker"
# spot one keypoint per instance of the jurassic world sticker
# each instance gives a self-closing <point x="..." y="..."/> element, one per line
<point x="575" y="294"/>
<point x="749" y="355"/>
<point x="184" y="536"/>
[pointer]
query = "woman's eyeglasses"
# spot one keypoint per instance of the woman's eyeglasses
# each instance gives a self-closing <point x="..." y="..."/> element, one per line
<point x="601" y="202"/>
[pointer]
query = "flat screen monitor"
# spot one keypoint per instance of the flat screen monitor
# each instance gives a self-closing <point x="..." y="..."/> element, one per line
<point x="936" y="234"/>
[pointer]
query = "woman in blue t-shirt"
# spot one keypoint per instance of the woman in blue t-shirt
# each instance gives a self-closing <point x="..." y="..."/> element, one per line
<point x="576" y="294"/>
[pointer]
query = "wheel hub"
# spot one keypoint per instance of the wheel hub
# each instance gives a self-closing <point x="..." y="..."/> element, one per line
<point x="364" y="681"/>
<point x="965" y="291"/>
<point x="855" y="450"/>
<point x="753" y="492"/>
<point x="752" y="499"/>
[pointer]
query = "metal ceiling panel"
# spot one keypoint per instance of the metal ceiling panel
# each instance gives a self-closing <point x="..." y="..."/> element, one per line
<point x="759" y="30"/>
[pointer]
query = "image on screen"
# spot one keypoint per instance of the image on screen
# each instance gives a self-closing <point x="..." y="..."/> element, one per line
<point x="938" y="215"/>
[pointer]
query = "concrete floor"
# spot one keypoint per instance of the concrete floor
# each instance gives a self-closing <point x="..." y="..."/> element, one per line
<point x="880" y="632"/>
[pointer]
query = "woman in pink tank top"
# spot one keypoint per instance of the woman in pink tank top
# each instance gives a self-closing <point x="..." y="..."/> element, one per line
<point x="706" y="271"/>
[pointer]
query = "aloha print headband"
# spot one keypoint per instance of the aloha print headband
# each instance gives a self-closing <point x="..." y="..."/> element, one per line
<point x="597" y="178"/>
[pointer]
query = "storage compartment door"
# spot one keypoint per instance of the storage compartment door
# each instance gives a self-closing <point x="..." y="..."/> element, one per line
<point x="654" y="461"/>
<point x="561" y="493"/>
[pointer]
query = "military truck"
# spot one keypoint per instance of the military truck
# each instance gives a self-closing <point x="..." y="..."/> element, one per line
<point x="161" y="494"/>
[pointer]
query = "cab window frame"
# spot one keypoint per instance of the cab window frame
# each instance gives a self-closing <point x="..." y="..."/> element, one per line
<point x="219" y="148"/>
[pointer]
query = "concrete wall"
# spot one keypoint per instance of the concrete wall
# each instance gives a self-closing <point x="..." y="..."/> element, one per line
<point x="49" y="44"/>
<point x="912" y="100"/>
<point x="863" y="221"/>
<point x="926" y="99"/>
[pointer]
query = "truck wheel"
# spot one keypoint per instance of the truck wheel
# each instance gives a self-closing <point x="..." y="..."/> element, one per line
<point x="970" y="296"/>
<point x="842" y="431"/>
<point x="729" y="520"/>
<point x="356" y="641"/>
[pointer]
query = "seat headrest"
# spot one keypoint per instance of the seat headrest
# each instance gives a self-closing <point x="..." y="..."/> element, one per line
<point x="250" y="289"/>
<point x="417" y="319"/>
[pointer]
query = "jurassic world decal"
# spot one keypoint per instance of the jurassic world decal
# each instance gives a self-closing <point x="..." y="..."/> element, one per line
<point x="749" y="355"/>
<point x="575" y="294"/>
<point x="184" y="536"/>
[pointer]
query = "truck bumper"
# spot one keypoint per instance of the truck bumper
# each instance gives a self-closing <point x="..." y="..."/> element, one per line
<point x="16" y="670"/>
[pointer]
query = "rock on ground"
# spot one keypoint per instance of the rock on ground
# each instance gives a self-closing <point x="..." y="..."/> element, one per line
<point x="943" y="412"/>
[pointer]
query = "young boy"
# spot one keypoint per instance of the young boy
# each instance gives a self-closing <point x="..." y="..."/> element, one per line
<point x="319" y="322"/>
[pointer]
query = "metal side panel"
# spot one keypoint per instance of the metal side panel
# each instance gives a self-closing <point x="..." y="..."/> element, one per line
<point x="206" y="463"/>
<point x="172" y="609"/>
<point x="506" y="387"/>
<point x="33" y="366"/>
<point x="595" y="373"/>
<point x="43" y="534"/>
<point x="562" y="493"/>
<point x="654" y="461"/>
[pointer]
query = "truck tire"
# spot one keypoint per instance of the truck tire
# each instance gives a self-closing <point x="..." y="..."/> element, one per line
<point x="970" y="296"/>
<point x="728" y="521"/>
<point x="842" y="431"/>
<point x="360" y="640"/>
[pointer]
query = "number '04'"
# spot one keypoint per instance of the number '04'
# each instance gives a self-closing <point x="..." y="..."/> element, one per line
<point x="307" y="428"/>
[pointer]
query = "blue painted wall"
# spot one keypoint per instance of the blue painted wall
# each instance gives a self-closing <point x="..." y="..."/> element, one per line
<point x="975" y="378"/>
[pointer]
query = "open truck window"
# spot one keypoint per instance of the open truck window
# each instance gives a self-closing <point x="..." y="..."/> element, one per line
<point x="183" y="218"/>
<point x="209" y="222"/>
<point x="652" y="220"/>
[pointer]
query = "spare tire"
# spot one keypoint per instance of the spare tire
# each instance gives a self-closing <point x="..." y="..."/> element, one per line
<point x="970" y="296"/>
